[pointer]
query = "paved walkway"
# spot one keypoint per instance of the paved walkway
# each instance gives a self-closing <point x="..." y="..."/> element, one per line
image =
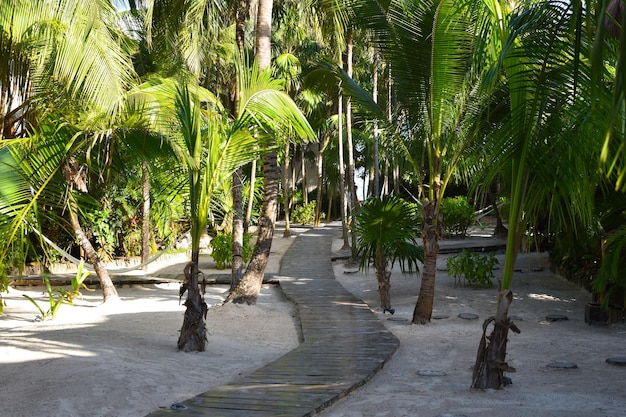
<point x="344" y="345"/>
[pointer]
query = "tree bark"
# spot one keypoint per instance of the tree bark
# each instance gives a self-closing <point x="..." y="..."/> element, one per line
<point x="249" y="287"/>
<point x="342" y="178"/>
<point x="384" y="281"/>
<point x="77" y="179"/>
<point x="145" y="214"/>
<point x="287" y="232"/>
<point x="246" y="222"/>
<point x="109" y="293"/>
<point x="237" y="182"/>
<point x="193" y="333"/>
<point x="431" y="233"/>
<point x="491" y="363"/>
<point x="237" y="261"/>
<point x="319" y="159"/>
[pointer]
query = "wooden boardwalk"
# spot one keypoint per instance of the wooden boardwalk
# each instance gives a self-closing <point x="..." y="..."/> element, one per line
<point x="344" y="345"/>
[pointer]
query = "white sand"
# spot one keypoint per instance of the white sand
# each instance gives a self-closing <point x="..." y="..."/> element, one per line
<point x="121" y="359"/>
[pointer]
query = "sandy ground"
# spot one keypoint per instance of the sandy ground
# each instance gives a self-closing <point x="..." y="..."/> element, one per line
<point x="121" y="359"/>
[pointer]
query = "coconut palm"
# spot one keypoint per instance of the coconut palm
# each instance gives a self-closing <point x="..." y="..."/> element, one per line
<point x="540" y="139"/>
<point x="61" y="56"/>
<point x="387" y="231"/>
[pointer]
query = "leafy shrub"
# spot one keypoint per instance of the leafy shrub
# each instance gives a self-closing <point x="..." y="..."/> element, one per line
<point x="222" y="249"/>
<point x="474" y="268"/>
<point x="304" y="214"/>
<point x="458" y="215"/>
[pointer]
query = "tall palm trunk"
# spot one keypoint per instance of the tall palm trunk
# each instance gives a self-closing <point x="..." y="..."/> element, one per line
<point x="237" y="182"/>
<point x="431" y="233"/>
<point x="342" y="178"/>
<point x="250" y="285"/>
<point x="319" y="159"/>
<point x="354" y="204"/>
<point x="287" y="232"/>
<point x="109" y="292"/>
<point x="248" y="289"/>
<point x="145" y="213"/>
<point x="193" y="332"/>
<point x="77" y="180"/>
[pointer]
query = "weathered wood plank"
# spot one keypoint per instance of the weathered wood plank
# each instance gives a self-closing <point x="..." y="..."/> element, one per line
<point x="344" y="345"/>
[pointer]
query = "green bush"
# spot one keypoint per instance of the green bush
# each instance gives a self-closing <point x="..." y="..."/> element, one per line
<point x="473" y="268"/>
<point x="222" y="249"/>
<point x="458" y="215"/>
<point x="304" y="214"/>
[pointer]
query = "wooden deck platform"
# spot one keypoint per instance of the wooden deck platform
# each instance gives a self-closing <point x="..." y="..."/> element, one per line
<point x="344" y="345"/>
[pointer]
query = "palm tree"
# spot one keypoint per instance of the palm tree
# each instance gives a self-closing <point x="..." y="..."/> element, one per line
<point x="546" y="91"/>
<point x="387" y="233"/>
<point x="249" y="287"/>
<point x="61" y="55"/>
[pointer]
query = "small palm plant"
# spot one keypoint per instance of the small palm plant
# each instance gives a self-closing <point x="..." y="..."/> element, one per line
<point x="387" y="233"/>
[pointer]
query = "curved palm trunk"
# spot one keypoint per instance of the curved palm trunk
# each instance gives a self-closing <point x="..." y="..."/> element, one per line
<point x="249" y="287"/>
<point x="109" y="293"/>
<point x="77" y="180"/>
<point x="246" y="222"/>
<point x="193" y="332"/>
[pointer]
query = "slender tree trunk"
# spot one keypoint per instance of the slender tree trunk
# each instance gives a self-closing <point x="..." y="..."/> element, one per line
<point x="305" y="188"/>
<point x="320" y="182"/>
<point x="246" y="223"/>
<point x="376" y="182"/>
<point x="384" y="281"/>
<point x="237" y="180"/>
<point x="109" y="293"/>
<point x="193" y="332"/>
<point x="248" y="289"/>
<point x="431" y="234"/>
<point x="491" y="356"/>
<point x="237" y="261"/>
<point x="342" y="178"/>
<point x="145" y="214"/>
<point x="250" y="285"/>
<point x="354" y="203"/>
<point x="287" y="232"/>
<point x="77" y="179"/>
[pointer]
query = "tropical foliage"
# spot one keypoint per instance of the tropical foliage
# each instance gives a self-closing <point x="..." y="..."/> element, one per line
<point x="521" y="101"/>
<point x="387" y="234"/>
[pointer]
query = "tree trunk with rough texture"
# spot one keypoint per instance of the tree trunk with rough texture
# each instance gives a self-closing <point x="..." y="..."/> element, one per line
<point x="145" y="214"/>
<point x="76" y="178"/>
<point x="384" y="281"/>
<point x="237" y="181"/>
<point x="491" y="363"/>
<point x="237" y="261"/>
<point x="249" y="287"/>
<point x="193" y="333"/>
<point x="319" y="160"/>
<point x="431" y="233"/>
<point x="109" y="293"/>
<point x="246" y="222"/>
<point x="287" y="232"/>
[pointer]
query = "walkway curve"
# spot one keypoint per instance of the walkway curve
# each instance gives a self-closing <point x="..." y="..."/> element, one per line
<point x="344" y="345"/>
